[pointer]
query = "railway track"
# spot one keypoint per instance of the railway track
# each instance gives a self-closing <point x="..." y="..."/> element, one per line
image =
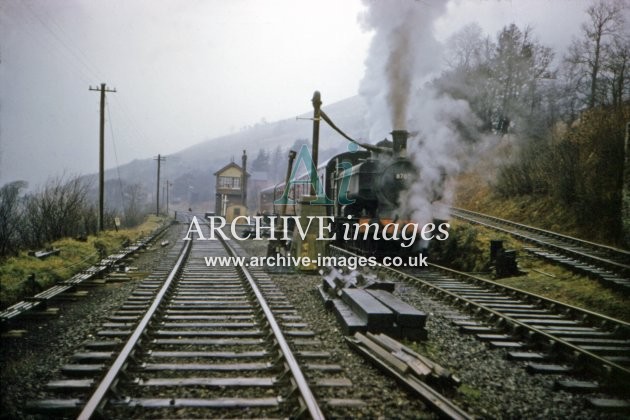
<point x="609" y="265"/>
<point x="105" y="265"/>
<point x="194" y="341"/>
<point x="549" y="336"/>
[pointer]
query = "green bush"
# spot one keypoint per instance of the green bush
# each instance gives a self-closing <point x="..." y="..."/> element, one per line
<point x="463" y="250"/>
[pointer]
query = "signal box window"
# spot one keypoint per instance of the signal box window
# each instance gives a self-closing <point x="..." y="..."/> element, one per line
<point x="230" y="182"/>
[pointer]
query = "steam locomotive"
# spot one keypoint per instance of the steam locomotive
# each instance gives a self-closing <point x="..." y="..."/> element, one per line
<point x="366" y="186"/>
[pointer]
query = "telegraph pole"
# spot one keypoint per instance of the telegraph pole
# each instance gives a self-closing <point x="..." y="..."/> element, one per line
<point x="625" y="188"/>
<point x="157" y="202"/>
<point x="101" y="157"/>
<point x="168" y="185"/>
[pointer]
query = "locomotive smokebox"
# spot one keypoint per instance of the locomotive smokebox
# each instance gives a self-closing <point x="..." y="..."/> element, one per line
<point x="400" y="140"/>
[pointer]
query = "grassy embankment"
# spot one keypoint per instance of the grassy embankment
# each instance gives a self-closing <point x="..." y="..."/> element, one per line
<point x="471" y="251"/>
<point x="74" y="257"/>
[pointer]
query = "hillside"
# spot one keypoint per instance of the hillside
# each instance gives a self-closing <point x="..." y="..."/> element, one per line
<point x="194" y="166"/>
<point x="482" y="187"/>
<point x="570" y="182"/>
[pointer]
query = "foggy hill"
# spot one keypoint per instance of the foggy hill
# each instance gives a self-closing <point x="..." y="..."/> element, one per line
<point x="191" y="170"/>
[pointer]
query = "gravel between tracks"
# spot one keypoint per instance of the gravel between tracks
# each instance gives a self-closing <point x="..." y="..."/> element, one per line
<point x="29" y="362"/>
<point x="383" y="397"/>
<point x="491" y="386"/>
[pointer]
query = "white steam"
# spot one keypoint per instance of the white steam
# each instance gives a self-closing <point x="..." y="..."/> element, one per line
<point x="403" y="57"/>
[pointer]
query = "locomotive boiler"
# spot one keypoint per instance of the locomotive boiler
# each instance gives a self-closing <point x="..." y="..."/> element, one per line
<point x="375" y="184"/>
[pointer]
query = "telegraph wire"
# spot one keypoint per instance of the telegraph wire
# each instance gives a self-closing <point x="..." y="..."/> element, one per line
<point x="87" y="70"/>
<point x="131" y="121"/>
<point x="111" y="130"/>
<point x="78" y="54"/>
<point x="76" y="51"/>
<point x="46" y="44"/>
<point x="69" y="51"/>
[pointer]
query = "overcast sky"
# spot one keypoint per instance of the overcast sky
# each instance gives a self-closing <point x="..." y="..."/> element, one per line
<point x="189" y="70"/>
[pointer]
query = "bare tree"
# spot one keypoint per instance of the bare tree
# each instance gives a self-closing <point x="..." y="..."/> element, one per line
<point x="501" y="80"/>
<point x="589" y="54"/>
<point x="465" y="49"/>
<point x="468" y="58"/>
<point x="56" y="211"/>
<point x="135" y="197"/>
<point x="519" y="64"/>
<point x="11" y="216"/>
<point x="617" y="69"/>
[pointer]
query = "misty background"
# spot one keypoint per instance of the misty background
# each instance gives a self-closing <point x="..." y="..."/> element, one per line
<point x="188" y="72"/>
<point x="199" y="82"/>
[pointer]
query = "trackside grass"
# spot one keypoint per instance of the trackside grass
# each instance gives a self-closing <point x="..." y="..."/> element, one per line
<point x="75" y="256"/>
<point x="468" y="249"/>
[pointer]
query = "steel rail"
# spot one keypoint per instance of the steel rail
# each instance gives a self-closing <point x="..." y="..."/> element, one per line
<point x="103" y="265"/>
<point x="97" y="398"/>
<point x="621" y="371"/>
<point x="305" y="391"/>
<point x="582" y="312"/>
<point x="470" y="216"/>
<point x="595" y="245"/>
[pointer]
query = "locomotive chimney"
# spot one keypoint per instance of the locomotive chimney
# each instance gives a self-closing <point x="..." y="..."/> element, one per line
<point x="244" y="180"/>
<point x="400" y="140"/>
